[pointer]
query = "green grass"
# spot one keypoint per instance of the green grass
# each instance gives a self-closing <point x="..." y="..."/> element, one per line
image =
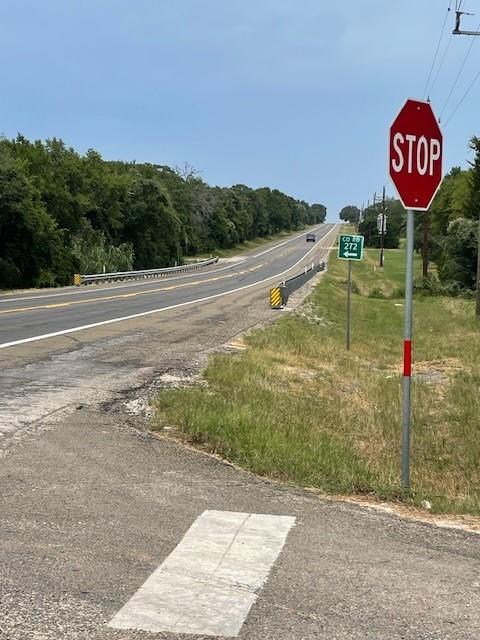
<point x="295" y="406"/>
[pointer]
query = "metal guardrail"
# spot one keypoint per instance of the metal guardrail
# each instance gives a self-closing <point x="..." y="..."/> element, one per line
<point x="279" y="295"/>
<point x="79" y="279"/>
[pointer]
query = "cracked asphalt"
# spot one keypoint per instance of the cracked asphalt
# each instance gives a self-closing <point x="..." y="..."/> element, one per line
<point x="91" y="502"/>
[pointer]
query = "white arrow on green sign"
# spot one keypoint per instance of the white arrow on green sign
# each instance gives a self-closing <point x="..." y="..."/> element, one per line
<point x="350" y="247"/>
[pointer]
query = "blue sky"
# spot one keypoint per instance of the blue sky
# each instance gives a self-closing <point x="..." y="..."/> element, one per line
<point x="293" y="94"/>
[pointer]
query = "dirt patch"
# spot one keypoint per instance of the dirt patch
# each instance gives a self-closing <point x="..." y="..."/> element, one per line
<point x="433" y="371"/>
<point x="231" y="260"/>
<point x="237" y="345"/>
<point x="464" y="522"/>
<point x="298" y="372"/>
<point x="172" y="381"/>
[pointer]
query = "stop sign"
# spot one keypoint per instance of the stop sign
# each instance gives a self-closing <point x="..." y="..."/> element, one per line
<point x="416" y="155"/>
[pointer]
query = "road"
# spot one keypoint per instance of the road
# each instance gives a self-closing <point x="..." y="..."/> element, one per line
<point x="28" y="317"/>
<point x="73" y="346"/>
<point x="108" y="532"/>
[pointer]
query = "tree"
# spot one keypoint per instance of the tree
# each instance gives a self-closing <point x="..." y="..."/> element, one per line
<point x="151" y="225"/>
<point x="472" y="208"/>
<point x="350" y="213"/>
<point x="454" y="224"/>
<point x="451" y="200"/>
<point x="31" y="245"/>
<point x="318" y="213"/>
<point x="395" y="224"/>
<point x="62" y="211"/>
<point x="458" y="264"/>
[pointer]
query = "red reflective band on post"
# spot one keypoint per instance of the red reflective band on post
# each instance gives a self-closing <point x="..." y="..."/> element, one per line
<point x="407" y="358"/>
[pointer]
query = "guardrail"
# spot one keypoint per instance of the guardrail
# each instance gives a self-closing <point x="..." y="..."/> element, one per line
<point x="279" y="295"/>
<point x="79" y="279"/>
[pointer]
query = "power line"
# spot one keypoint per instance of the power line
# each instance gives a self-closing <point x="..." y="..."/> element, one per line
<point x="437" y="49"/>
<point x="458" y="76"/>
<point x="459" y="104"/>
<point x="441" y="64"/>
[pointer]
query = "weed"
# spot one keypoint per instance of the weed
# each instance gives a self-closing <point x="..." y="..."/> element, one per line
<point x="297" y="407"/>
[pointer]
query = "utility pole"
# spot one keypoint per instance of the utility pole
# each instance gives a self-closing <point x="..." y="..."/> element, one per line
<point x="477" y="306"/>
<point x="457" y="31"/>
<point x="382" y="230"/>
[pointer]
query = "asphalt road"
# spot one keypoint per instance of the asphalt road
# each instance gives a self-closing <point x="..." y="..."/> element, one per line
<point x="33" y="315"/>
<point x="90" y="509"/>
<point x="96" y="512"/>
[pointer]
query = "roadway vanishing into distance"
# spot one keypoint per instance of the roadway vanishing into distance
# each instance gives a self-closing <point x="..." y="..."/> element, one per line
<point x="31" y="316"/>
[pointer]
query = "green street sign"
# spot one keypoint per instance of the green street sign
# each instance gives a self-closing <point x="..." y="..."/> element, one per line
<point x="350" y="247"/>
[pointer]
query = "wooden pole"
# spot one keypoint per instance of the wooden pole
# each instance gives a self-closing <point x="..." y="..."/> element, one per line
<point x="382" y="229"/>
<point x="477" y="306"/>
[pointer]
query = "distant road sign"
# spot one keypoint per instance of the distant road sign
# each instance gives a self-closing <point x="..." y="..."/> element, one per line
<point x="416" y="145"/>
<point x="350" y="247"/>
<point x="382" y="224"/>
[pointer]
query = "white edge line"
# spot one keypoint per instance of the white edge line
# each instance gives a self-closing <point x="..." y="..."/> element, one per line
<point x="122" y="286"/>
<point x="162" y="309"/>
<point x="262" y="253"/>
<point x="6" y="300"/>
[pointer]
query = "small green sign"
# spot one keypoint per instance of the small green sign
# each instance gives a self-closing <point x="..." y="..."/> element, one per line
<point x="350" y="247"/>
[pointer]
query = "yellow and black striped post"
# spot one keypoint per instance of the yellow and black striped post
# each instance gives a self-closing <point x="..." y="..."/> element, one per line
<point x="77" y="279"/>
<point x="275" y="298"/>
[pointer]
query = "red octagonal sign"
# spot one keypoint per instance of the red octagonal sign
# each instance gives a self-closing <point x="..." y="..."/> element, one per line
<point x="416" y="144"/>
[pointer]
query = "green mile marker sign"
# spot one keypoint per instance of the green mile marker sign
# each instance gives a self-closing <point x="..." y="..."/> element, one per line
<point x="350" y="247"/>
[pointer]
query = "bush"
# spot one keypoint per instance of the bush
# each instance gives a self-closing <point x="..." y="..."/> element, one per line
<point x="432" y="286"/>
<point x="95" y="256"/>
<point x="45" y="279"/>
<point x="377" y="293"/>
<point x="10" y="275"/>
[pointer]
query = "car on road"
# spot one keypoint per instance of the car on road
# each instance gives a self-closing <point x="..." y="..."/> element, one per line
<point x="311" y="237"/>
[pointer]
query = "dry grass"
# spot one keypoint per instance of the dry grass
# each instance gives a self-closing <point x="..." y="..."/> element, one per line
<point x="297" y="407"/>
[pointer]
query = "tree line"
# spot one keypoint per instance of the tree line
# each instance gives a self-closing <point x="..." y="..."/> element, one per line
<point x="62" y="212"/>
<point x="452" y="227"/>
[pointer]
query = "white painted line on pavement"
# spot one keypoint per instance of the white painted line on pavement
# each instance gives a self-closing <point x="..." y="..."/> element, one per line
<point x="5" y="298"/>
<point x="142" y="314"/>
<point x="208" y="584"/>
<point x="262" y="253"/>
<point x="128" y="285"/>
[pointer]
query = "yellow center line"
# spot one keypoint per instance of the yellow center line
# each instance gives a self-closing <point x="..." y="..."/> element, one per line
<point x="134" y="294"/>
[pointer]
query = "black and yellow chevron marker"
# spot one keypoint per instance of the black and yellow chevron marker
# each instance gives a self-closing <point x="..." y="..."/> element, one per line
<point x="275" y="298"/>
<point x="77" y="279"/>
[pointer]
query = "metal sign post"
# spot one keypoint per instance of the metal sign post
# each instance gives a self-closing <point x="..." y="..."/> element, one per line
<point x="407" y="351"/>
<point x="416" y="148"/>
<point x="350" y="248"/>
<point x="349" y="302"/>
